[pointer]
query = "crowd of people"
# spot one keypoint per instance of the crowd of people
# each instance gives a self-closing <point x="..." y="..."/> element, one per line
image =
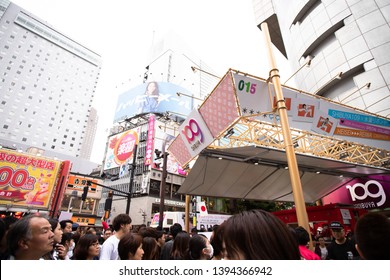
<point x="250" y="235"/>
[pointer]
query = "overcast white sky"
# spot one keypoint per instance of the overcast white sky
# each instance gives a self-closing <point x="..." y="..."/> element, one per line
<point x="222" y="33"/>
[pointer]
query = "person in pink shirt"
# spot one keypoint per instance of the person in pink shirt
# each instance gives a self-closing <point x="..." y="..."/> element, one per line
<point x="303" y="238"/>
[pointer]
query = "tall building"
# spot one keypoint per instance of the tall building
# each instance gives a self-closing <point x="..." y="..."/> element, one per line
<point x="90" y="132"/>
<point x="345" y="43"/>
<point x="47" y="84"/>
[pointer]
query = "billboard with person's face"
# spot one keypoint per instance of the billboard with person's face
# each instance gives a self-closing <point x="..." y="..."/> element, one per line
<point x="153" y="97"/>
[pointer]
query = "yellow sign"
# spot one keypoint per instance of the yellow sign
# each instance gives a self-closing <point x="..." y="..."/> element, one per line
<point x="27" y="180"/>
<point x="78" y="183"/>
<point x="83" y="221"/>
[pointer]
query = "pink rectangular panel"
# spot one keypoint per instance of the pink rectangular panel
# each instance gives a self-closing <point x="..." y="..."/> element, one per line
<point x="220" y="109"/>
<point x="179" y="151"/>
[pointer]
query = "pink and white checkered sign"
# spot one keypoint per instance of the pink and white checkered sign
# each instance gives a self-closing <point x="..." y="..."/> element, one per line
<point x="179" y="150"/>
<point x="220" y="109"/>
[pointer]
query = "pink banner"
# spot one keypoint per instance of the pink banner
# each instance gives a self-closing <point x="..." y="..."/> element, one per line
<point x="363" y="126"/>
<point x="150" y="140"/>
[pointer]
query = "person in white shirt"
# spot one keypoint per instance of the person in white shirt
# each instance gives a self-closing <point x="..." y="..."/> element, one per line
<point x="121" y="226"/>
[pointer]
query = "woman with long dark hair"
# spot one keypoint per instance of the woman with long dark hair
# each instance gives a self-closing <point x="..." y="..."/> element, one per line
<point x="258" y="235"/>
<point x="180" y="247"/>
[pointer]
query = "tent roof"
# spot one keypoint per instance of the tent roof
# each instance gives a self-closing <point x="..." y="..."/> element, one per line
<point x="261" y="173"/>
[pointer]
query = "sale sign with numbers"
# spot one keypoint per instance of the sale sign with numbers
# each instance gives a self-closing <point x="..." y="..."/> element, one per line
<point x="27" y="180"/>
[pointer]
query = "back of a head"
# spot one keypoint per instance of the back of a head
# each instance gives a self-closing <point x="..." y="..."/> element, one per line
<point x="148" y="232"/>
<point x="175" y="229"/>
<point x="197" y="243"/>
<point x="372" y="234"/>
<point x="258" y="235"/>
<point x="151" y="249"/>
<point x="121" y="219"/>
<point x="66" y="237"/>
<point x="302" y="235"/>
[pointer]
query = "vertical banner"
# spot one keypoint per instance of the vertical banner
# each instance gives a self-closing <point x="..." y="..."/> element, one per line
<point x="150" y="140"/>
<point x="195" y="133"/>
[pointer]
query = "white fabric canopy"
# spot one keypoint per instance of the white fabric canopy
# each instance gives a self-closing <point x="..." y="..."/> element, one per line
<point x="232" y="173"/>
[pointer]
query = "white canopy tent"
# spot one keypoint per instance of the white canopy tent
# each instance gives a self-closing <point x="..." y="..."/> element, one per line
<point x="261" y="174"/>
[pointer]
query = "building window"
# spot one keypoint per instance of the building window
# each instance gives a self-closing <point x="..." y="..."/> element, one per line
<point x="24" y="139"/>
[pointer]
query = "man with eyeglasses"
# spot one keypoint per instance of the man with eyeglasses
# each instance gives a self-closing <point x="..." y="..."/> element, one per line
<point x="341" y="248"/>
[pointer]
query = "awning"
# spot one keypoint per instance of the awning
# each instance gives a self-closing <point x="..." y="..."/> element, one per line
<point x="261" y="173"/>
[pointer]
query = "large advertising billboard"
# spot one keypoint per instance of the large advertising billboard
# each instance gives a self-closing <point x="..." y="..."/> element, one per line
<point x="153" y="97"/>
<point x="27" y="180"/>
<point x="120" y="148"/>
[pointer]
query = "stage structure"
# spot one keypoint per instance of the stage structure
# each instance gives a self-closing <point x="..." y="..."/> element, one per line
<point x="236" y="137"/>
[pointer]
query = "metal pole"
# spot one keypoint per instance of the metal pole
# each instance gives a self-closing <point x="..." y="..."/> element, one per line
<point x="70" y="203"/>
<point x="162" y="186"/>
<point x="299" y="201"/>
<point x="130" y="194"/>
<point x="187" y="214"/>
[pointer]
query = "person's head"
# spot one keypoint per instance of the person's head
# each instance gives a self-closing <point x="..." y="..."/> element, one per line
<point x="194" y="231"/>
<point x="258" y="235"/>
<point x="321" y="241"/>
<point x="122" y="223"/>
<point x="67" y="240"/>
<point x="87" y="248"/>
<point x="200" y="248"/>
<point x="216" y="241"/>
<point x="152" y="89"/>
<point x="66" y="225"/>
<point x="148" y="232"/>
<point x="150" y="248"/>
<point x="56" y="229"/>
<point x="130" y="247"/>
<point x="91" y="230"/>
<point x="372" y="232"/>
<point x="302" y="235"/>
<point x="337" y="230"/>
<point x="180" y="247"/>
<point x="30" y="238"/>
<point x="175" y="229"/>
<point x="107" y="233"/>
<point x="161" y="238"/>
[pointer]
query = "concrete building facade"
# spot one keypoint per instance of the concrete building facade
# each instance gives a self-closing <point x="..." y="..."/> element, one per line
<point x="345" y="43"/>
<point x="47" y="85"/>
